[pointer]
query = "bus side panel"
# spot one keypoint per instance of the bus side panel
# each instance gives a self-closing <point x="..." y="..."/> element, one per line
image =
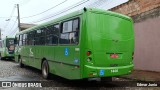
<point x="29" y="55"/>
<point x="24" y="54"/>
<point x="67" y="62"/>
<point x="43" y="53"/>
<point x="36" y="53"/>
<point x="3" y="53"/>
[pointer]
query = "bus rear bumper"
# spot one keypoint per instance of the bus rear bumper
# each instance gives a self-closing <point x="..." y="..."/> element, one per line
<point x="91" y="71"/>
<point x="10" y="55"/>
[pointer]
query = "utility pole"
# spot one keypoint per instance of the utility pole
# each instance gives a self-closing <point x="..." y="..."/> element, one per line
<point x="18" y="17"/>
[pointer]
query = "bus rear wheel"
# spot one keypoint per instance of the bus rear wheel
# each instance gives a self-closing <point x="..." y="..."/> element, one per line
<point x="3" y="58"/>
<point x="45" y="69"/>
<point x="20" y="63"/>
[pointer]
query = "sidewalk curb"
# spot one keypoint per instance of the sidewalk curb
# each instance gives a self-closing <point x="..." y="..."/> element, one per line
<point x="134" y="79"/>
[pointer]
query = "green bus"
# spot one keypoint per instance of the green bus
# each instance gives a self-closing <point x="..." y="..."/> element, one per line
<point x="7" y="48"/>
<point x="86" y="44"/>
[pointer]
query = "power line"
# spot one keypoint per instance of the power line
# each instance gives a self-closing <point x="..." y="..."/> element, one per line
<point x="58" y="13"/>
<point x="109" y="3"/>
<point x="14" y="31"/>
<point x="10" y="17"/>
<point x="95" y="4"/>
<point x="12" y="26"/>
<point x="45" y="10"/>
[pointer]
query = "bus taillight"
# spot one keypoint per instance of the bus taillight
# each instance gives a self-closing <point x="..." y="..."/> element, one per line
<point x="89" y="59"/>
<point x="88" y="53"/>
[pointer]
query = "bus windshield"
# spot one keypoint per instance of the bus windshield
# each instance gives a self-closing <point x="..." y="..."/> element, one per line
<point x="10" y="44"/>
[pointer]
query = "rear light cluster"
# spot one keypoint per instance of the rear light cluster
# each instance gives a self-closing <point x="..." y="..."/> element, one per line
<point x="89" y="59"/>
<point x="88" y="53"/>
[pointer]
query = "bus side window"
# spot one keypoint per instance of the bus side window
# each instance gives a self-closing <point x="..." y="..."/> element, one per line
<point x="37" y="37"/>
<point x="64" y="38"/>
<point x="33" y="37"/>
<point x="24" y="39"/>
<point x="76" y="25"/>
<point x="72" y="38"/>
<point x="29" y="39"/>
<point x="48" y="35"/>
<point x="16" y="40"/>
<point x="42" y="37"/>
<point x="52" y="34"/>
<point x="48" y="40"/>
<point x="70" y="32"/>
<point x="20" y="40"/>
<point x="55" y="34"/>
<point x="75" y="38"/>
<point x="64" y="35"/>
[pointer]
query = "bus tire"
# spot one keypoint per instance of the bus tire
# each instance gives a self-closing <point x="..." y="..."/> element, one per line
<point x="45" y="69"/>
<point x="20" y="63"/>
<point x="3" y="58"/>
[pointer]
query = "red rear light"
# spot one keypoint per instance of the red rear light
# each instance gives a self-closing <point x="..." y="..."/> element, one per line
<point x="88" y="53"/>
<point x="113" y="55"/>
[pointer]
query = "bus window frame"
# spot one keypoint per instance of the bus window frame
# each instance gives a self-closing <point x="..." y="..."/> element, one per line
<point x="52" y="25"/>
<point x="20" y="40"/>
<point x="61" y="32"/>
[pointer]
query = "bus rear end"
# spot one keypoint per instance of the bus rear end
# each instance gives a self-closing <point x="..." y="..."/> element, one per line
<point x="8" y="48"/>
<point x="109" y="45"/>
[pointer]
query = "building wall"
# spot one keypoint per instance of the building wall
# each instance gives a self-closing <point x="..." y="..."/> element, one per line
<point x="134" y="7"/>
<point x="24" y="26"/>
<point x="146" y="16"/>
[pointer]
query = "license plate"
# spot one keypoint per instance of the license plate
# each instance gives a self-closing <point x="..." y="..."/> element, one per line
<point x="114" y="70"/>
<point x="114" y="56"/>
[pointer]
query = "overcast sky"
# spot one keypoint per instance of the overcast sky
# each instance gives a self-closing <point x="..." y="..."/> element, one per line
<point x="34" y="8"/>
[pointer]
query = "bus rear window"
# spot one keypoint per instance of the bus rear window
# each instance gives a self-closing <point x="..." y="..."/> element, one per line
<point x="10" y="42"/>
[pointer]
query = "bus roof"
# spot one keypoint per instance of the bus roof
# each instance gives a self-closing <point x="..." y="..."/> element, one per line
<point x="76" y="13"/>
<point x="7" y="37"/>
